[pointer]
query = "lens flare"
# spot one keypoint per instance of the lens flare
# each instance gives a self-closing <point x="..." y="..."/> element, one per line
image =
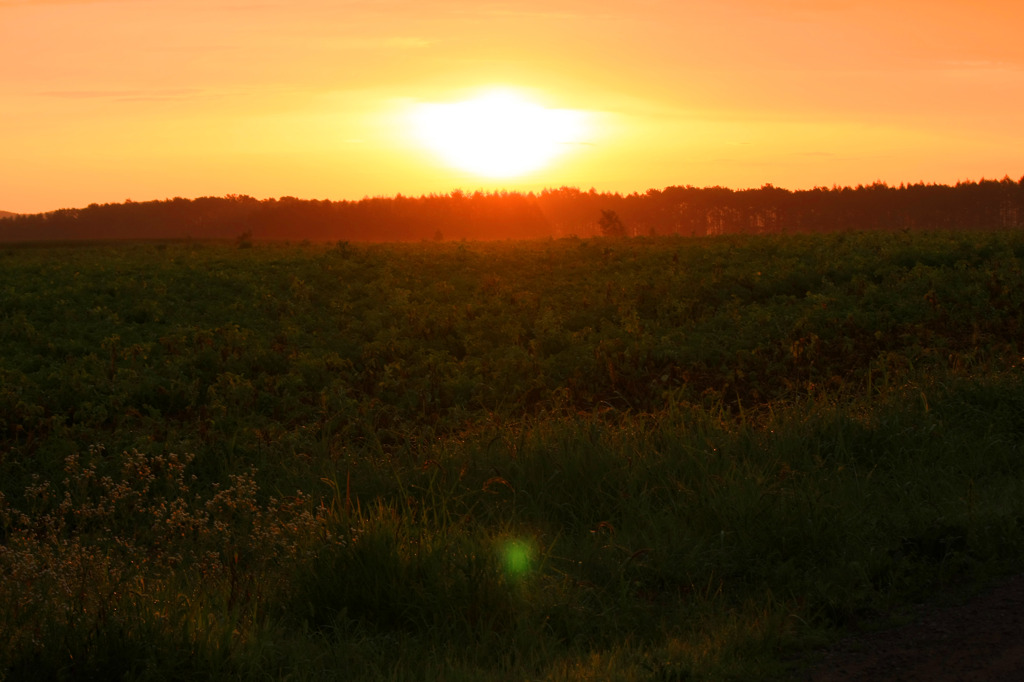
<point x="517" y="558"/>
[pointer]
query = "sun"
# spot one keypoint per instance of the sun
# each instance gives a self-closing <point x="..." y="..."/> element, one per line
<point x="498" y="134"/>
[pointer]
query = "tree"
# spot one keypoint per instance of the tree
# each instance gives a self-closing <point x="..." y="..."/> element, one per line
<point x="611" y="225"/>
<point x="244" y="240"/>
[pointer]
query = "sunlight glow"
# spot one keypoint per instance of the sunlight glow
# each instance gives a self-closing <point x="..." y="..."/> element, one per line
<point x="498" y="134"/>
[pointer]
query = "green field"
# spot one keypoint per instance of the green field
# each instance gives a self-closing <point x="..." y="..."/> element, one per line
<point x="635" y="459"/>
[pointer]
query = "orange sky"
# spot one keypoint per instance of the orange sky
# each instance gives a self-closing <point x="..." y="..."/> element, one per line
<point x="150" y="99"/>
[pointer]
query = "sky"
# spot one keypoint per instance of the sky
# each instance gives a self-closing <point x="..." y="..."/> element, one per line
<point x="151" y="99"/>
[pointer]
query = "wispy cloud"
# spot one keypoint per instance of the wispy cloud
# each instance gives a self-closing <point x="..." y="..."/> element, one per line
<point x="559" y="10"/>
<point x="40" y="3"/>
<point x="989" y="65"/>
<point x="135" y="95"/>
<point x="383" y="43"/>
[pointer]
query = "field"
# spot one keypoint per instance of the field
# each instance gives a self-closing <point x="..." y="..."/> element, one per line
<point x="607" y="459"/>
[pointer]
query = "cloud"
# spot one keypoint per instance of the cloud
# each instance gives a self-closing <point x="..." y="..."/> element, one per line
<point x="39" y="3"/>
<point x="989" y="65"/>
<point x="382" y="43"/>
<point x="405" y="43"/>
<point x="136" y="95"/>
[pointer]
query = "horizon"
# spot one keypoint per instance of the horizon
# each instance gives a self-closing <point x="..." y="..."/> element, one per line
<point x="467" y="192"/>
<point x="115" y="100"/>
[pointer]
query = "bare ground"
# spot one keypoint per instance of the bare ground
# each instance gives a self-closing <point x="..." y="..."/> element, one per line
<point x="980" y="640"/>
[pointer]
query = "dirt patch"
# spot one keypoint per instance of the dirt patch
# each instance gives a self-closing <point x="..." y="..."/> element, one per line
<point x="980" y="640"/>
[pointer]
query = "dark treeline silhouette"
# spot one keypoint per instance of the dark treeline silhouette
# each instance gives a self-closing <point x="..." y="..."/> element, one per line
<point x="691" y="211"/>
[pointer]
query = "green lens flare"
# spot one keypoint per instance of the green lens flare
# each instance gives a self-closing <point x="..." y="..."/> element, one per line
<point x="517" y="557"/>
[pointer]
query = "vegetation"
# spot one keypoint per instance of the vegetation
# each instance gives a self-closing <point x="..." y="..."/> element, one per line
<point x="688" y="211"/>
<point x="611" y="225"/>
<point x="628" y="459"/>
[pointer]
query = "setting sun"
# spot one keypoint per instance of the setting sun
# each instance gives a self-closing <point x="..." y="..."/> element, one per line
<point x="498" y="134"/>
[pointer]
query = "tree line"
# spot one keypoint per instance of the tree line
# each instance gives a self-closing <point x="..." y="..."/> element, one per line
<point x="562" y="212"/>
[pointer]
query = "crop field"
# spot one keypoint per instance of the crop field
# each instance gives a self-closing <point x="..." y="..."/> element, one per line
<point x="605" y="459"/>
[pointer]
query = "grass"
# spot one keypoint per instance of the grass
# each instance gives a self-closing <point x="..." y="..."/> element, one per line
<point x="649" y="459"/>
